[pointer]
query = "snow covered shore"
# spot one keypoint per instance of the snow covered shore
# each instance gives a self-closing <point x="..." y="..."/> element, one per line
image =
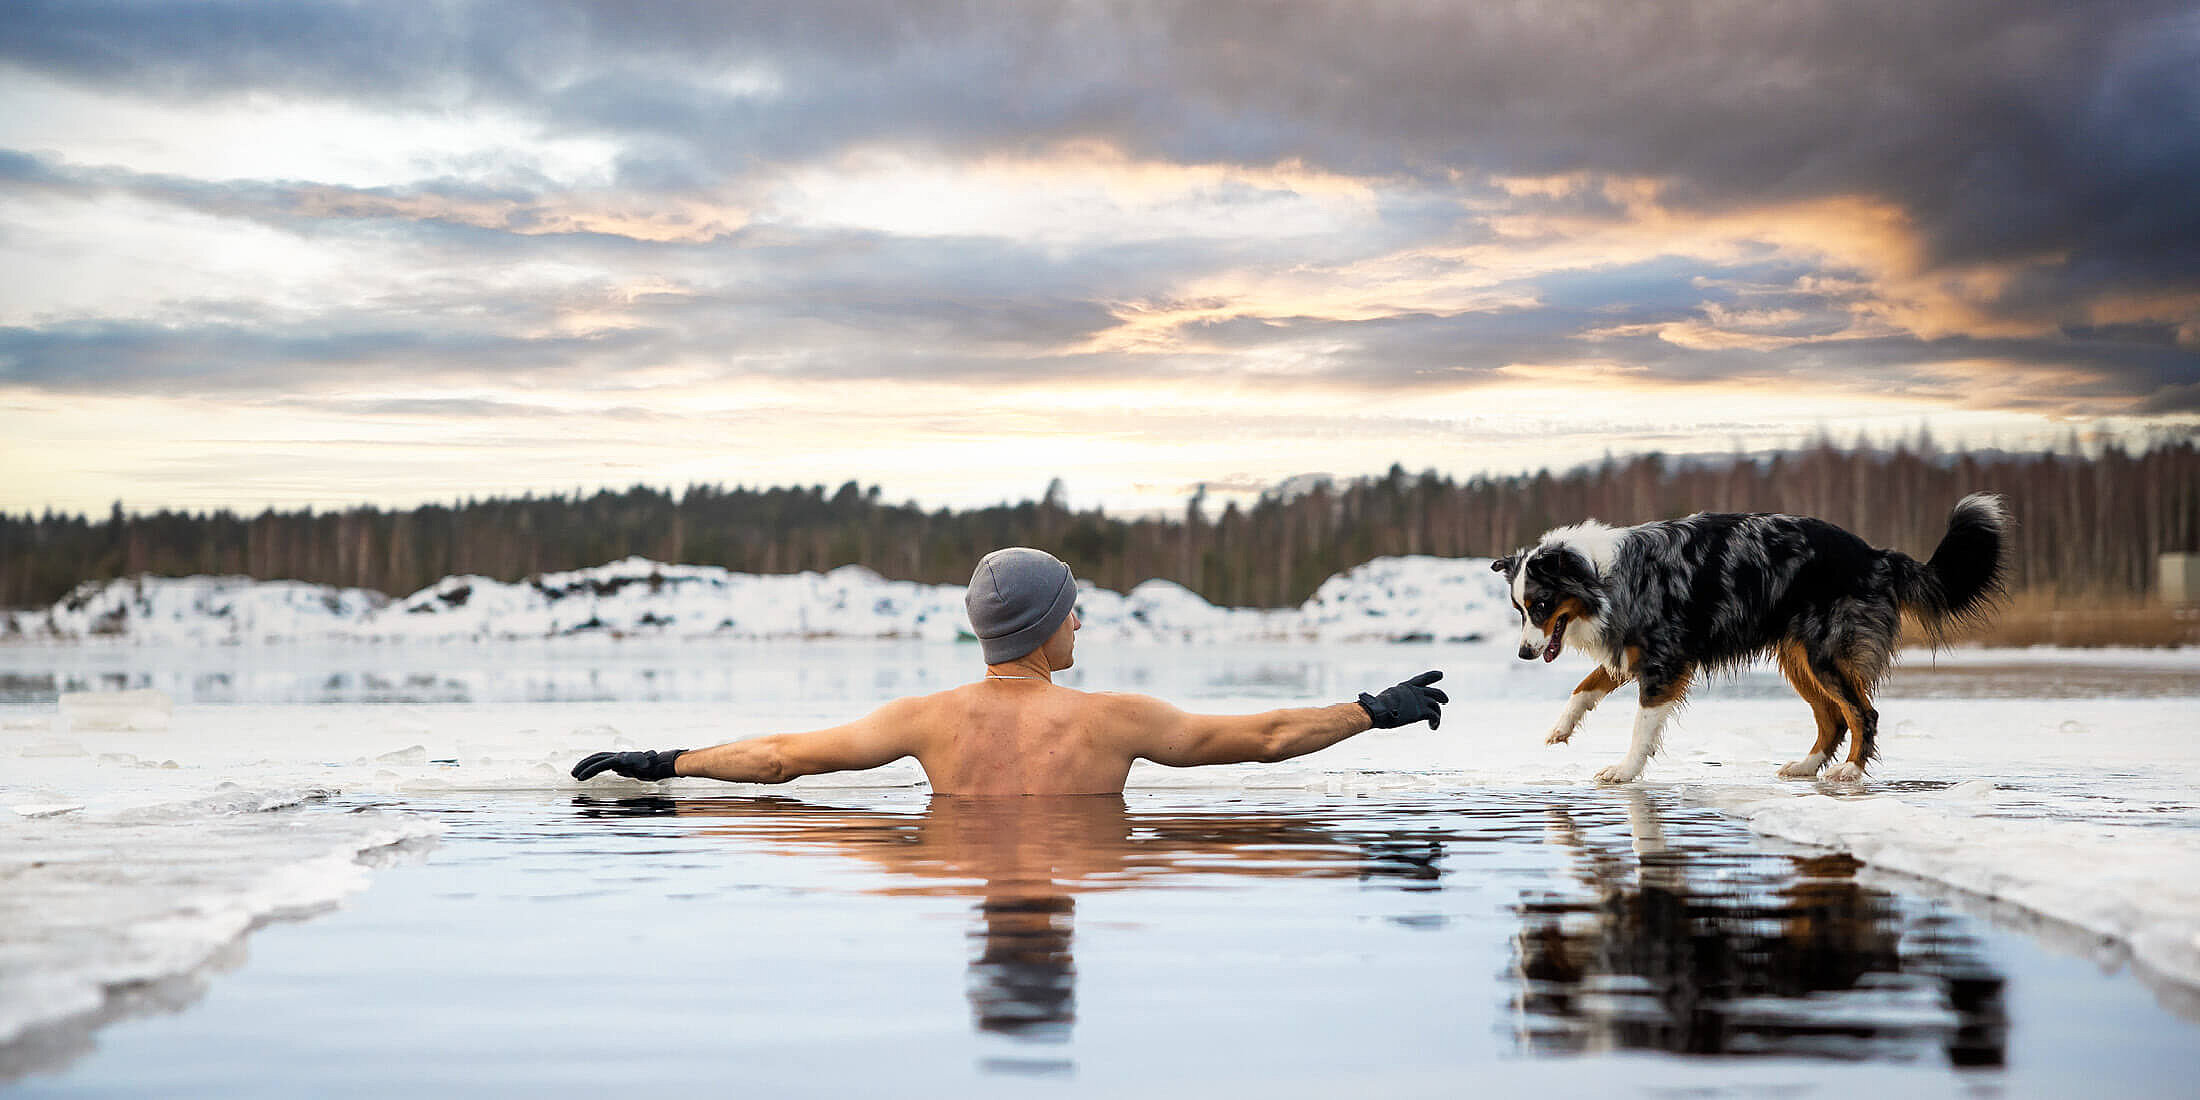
<point x="1388" y="599"/>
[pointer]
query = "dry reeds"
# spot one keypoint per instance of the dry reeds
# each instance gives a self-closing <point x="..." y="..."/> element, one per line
<point x="2046" y="618"/>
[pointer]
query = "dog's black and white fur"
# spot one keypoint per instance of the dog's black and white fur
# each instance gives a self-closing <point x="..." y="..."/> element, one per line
<point x="1662" y="602"/>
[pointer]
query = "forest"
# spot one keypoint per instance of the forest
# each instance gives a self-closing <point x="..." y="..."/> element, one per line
<point x="2090" y="524"/>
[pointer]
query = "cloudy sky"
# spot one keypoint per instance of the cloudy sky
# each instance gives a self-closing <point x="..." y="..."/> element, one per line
<point x="289" y="253"/>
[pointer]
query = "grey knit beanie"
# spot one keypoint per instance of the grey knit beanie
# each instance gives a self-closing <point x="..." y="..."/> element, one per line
<point x="1017" y="599"/>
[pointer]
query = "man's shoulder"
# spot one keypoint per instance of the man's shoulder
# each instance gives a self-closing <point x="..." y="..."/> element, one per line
<point x="962" y="698"/>
<point x="1125" y="704"/>
<point x="945" y="698"/>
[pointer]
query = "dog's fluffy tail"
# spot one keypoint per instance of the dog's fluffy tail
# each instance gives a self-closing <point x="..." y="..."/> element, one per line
<point x="1965" y="577"/>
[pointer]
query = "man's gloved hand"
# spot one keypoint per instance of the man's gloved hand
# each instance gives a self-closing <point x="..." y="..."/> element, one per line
<point x="650" y="764"/>
<point x="1406" y="703"/>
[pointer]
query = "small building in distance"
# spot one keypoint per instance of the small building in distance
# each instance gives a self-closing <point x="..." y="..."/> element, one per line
<point x="2180" y="579"/>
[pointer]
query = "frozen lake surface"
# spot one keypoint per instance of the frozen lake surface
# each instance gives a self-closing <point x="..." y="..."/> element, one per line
<point x="2012" y="902"/>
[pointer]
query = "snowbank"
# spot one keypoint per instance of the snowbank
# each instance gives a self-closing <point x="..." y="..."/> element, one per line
<point x="196" y="610"/>
<point x="1389" y="599"/>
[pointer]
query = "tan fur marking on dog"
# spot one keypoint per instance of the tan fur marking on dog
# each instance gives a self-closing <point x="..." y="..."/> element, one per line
<point x="1673" y="691"/>
<point x="1570" y="607"/>
<point x="1796" y="667"/>
<point x="1861" y="691"/>
<point x="1598" y="680"/>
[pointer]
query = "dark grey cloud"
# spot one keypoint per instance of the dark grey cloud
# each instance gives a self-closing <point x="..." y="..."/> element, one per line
<point x="826" y="326"/>
<point x="2173" y="398"/>
<point x="2007" y="129"/>
<point x="148" y="356"/>
<point x="2061" y="135"/>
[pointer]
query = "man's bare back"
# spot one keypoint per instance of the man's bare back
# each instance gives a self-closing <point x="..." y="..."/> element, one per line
<point x="1004" y="738"/>
<point x="1019" y="737"/>
<point x="1016" y="732"/>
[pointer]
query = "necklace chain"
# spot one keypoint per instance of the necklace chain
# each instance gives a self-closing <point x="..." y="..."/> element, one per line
<point x="991" y="676"/>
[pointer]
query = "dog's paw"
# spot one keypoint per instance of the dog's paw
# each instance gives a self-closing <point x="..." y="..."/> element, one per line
<point x="1804" y="768"/>
<point x="1845" y="772"/>
<point x="1618" y="773"/>
<point x="1559" y="735"/>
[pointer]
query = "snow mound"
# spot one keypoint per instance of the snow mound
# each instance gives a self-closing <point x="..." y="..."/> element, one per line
<point x="1410" y="599"/>
<point x="639" y="596"/>
<point x="199" y="610"/>
<point x="1388" y="599"/>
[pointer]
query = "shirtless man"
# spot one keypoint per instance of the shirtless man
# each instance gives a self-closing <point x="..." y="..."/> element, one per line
<point x="1016" y="732"/>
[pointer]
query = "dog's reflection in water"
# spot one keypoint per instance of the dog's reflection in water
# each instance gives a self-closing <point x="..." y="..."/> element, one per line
<point x="1703" y="951"/>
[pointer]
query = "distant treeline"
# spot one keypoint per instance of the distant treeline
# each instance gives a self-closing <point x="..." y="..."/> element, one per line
<point x="2088" y="524"/>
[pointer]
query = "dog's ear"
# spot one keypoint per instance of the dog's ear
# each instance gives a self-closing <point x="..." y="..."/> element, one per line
<point x="1576" y="575"/>
<point x="1504" y="565"/>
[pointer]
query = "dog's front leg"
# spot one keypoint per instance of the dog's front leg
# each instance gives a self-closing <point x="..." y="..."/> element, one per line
<point x="1661" y="696"/>
<point x="1585" y="698"/>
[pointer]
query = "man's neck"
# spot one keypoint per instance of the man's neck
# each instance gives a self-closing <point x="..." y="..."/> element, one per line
<point x="1023" y="668"/>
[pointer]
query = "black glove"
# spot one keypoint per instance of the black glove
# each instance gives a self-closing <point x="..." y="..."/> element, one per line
<point x="652" y="764"/>
<point x="1407" y="703"/>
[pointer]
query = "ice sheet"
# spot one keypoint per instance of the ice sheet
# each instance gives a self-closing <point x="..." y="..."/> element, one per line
<point x="101" y="900"/>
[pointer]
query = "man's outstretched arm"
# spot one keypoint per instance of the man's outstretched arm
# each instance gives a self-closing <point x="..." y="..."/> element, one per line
<point x="1162" y="733"/>
<point x="880" y="737"/>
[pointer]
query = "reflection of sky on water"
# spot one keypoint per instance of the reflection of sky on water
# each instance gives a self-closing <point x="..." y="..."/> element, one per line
<point x="647" y="672"/>
<point x="644" y="671"/>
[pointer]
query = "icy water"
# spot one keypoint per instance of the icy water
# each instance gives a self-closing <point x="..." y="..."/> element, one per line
<point x="1159" y="944"/>
<point x="1410" y="913"/>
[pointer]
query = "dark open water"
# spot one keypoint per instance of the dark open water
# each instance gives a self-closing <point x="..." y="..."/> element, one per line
<point x="1493" y="942"/>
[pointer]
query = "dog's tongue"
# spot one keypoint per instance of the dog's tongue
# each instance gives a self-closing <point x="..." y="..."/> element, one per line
<point x="1550" y="650"/>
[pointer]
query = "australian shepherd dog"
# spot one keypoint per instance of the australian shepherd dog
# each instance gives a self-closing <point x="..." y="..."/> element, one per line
<point x="1662" y="603"/>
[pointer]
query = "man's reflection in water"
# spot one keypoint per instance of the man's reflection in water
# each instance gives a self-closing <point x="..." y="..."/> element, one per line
<point x="1716" y="952"/>
<point x="1023" y="982"/>
<point x="1025" y="860"/>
